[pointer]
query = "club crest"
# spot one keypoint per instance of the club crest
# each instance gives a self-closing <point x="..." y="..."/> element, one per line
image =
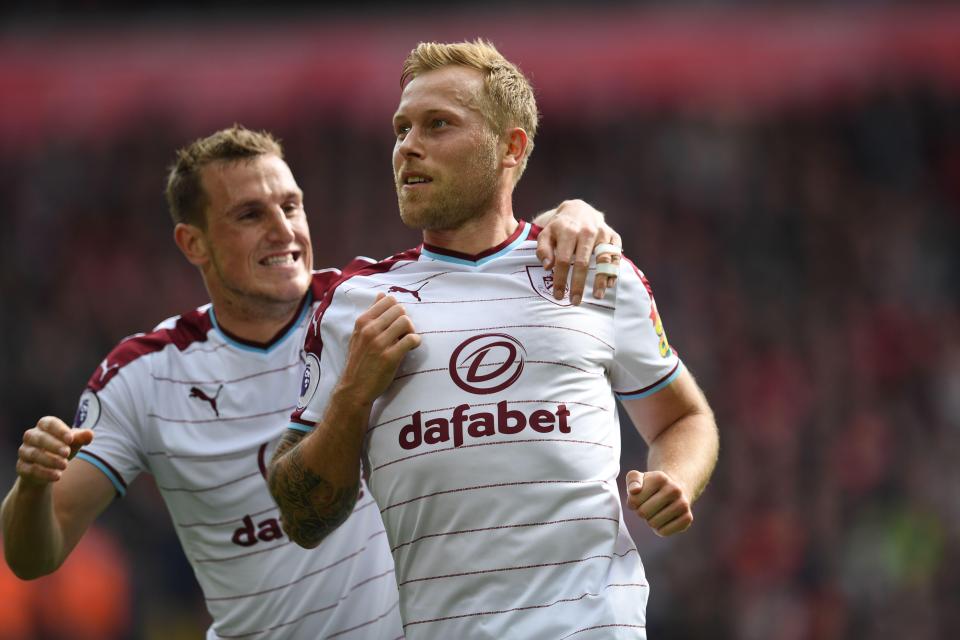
<point x="542" y="282"/>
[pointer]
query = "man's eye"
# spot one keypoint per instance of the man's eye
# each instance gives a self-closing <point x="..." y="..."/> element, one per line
<point x="439" y="123"/>
<point x="402" y="130"/>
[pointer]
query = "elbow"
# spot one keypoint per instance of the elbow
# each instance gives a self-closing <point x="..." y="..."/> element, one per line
<point x="308" y="526"/>
<point x="26" y="570"/>
<point x="306" y="543"/>
<point x="308" y="538"/>
<point x="311" y="507"/>
<point x="27" y="574"/>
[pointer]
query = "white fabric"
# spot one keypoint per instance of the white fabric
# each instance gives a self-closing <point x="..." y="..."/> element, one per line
<point x="605" y="247"/>
<point x="157" y="415"/>
<point x="501" y="532"/>
<point x="608" y="268"/>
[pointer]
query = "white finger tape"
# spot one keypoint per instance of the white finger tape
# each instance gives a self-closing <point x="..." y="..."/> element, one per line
<point x="605" y="247"/>
<point x="608" y="268"/>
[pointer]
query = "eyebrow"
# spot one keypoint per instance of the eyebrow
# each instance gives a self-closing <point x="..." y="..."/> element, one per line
<point x="428" y="112"/>
<point x="256" y="202"/>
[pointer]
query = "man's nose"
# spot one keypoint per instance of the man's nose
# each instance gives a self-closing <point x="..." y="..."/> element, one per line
<point x="281" y="227"/>
<point x="411" y="144"/>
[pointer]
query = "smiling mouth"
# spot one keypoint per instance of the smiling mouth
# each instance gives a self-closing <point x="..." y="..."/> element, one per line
<point x="414" y="180"/>
<point x="281" y="259"/>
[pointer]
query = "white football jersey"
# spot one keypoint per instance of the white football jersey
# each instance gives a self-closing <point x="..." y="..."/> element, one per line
<point x="494" y="454"/>
<point x="203" y="411"/>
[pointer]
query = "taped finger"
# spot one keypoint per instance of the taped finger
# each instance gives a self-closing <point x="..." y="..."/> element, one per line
<point x="607" y="268"/>
<point x="606" y="247"/>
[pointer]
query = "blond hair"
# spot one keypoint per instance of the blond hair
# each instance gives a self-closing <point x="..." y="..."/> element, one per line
<point x="185" y="195"/>
<point x="509" y="100"/>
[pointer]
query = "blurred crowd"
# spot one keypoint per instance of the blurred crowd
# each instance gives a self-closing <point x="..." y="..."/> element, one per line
<point x="806" y="262"/>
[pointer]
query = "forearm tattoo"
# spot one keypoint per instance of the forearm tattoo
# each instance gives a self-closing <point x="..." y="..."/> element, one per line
<point x="311" y="507"/>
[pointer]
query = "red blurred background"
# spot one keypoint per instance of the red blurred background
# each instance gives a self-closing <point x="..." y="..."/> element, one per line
<point x="788" y="178"/>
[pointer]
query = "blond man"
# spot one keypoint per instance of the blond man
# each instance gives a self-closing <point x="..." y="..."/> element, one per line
<point x="488" y="423"/>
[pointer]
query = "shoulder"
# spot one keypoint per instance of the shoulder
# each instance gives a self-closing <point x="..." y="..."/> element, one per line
<point x="632" y="274"/>
<point x="326" y="280"/>
<point x="360" y="266"/>
<point x="180" y="331"/>
<point x="330" y="281"/>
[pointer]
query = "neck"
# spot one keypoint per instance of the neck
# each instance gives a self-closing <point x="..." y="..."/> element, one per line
<point x="258" y="323"/>
<point x="477" y="234"/>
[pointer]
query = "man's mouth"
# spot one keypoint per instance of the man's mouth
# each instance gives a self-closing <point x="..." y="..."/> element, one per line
<point x="280" y="259"/>
<point x="410" y="179"/>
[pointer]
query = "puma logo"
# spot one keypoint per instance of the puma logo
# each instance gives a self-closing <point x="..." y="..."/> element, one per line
<point x="107" y="368"/>
<point x="414" y="292"/>
<point x="197" y="392"/>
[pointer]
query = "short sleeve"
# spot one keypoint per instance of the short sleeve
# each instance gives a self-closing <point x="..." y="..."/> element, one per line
<point x="113" y="412"/>
<point x="325" y="345"/>
<point x="644" y="361"/>
<point x="324" y="351"/>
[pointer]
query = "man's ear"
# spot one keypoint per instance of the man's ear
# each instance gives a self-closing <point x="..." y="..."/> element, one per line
<point x="516" y="148"/>
<point x="192" y="242"/>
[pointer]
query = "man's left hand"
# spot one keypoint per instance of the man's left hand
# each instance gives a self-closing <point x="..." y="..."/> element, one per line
<point x="570" y="233"/>
<point x="660" y="500"/>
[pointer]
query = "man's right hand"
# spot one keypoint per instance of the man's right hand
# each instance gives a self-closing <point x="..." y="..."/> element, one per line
<point x="382" y="336"/>
<point x="47" y="448"/>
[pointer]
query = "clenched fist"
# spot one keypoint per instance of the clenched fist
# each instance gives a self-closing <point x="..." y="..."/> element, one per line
<point x="660" y="500"/>
<point x="47" y="448"/>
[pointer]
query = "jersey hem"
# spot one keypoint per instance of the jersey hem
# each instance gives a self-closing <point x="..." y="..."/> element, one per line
<point x="114" y="479"/>
<point x="296" y="426"/>
<point x="652" y="389"/>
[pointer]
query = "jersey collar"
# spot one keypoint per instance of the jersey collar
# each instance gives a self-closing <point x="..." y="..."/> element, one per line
<point x="455" y="257"/>
<point x="275" y="341"/>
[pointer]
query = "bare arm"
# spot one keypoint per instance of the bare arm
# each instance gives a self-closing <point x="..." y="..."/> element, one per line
<point x="680" y="429"/>
<point x="315" y="477"/>
<point x="53" y="500"/>
<point x="570" y="233"/>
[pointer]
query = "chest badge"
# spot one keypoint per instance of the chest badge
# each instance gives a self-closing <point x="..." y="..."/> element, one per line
<point x="542" y="282"/>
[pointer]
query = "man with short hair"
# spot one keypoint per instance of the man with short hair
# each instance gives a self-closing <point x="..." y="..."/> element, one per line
<point x="200" y="401"/>
<point x="487" y="423"/>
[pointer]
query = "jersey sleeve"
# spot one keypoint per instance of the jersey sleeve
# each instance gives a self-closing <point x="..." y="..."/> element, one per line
<point x="112" y="409"/>
<point x="644" y="361"/>
<point x="324" y="351"/>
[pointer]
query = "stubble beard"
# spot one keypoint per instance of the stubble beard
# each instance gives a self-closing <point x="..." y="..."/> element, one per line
<point x="453" y="205"/>
<point x="253" y="303"/>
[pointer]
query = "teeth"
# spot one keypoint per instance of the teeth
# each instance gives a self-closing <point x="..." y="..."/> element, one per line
<point x="416" y="179"/>
<point x="286" y="258"/>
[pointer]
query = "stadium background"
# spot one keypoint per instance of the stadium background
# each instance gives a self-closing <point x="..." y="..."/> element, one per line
<point x="788" y="176"/>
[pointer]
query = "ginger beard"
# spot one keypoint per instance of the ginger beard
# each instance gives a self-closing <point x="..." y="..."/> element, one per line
<point x="460" y="194"/>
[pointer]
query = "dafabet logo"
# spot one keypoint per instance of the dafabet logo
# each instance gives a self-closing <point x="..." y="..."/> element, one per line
<point x="487" y="363"/>
<point x="482" y="365"/>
